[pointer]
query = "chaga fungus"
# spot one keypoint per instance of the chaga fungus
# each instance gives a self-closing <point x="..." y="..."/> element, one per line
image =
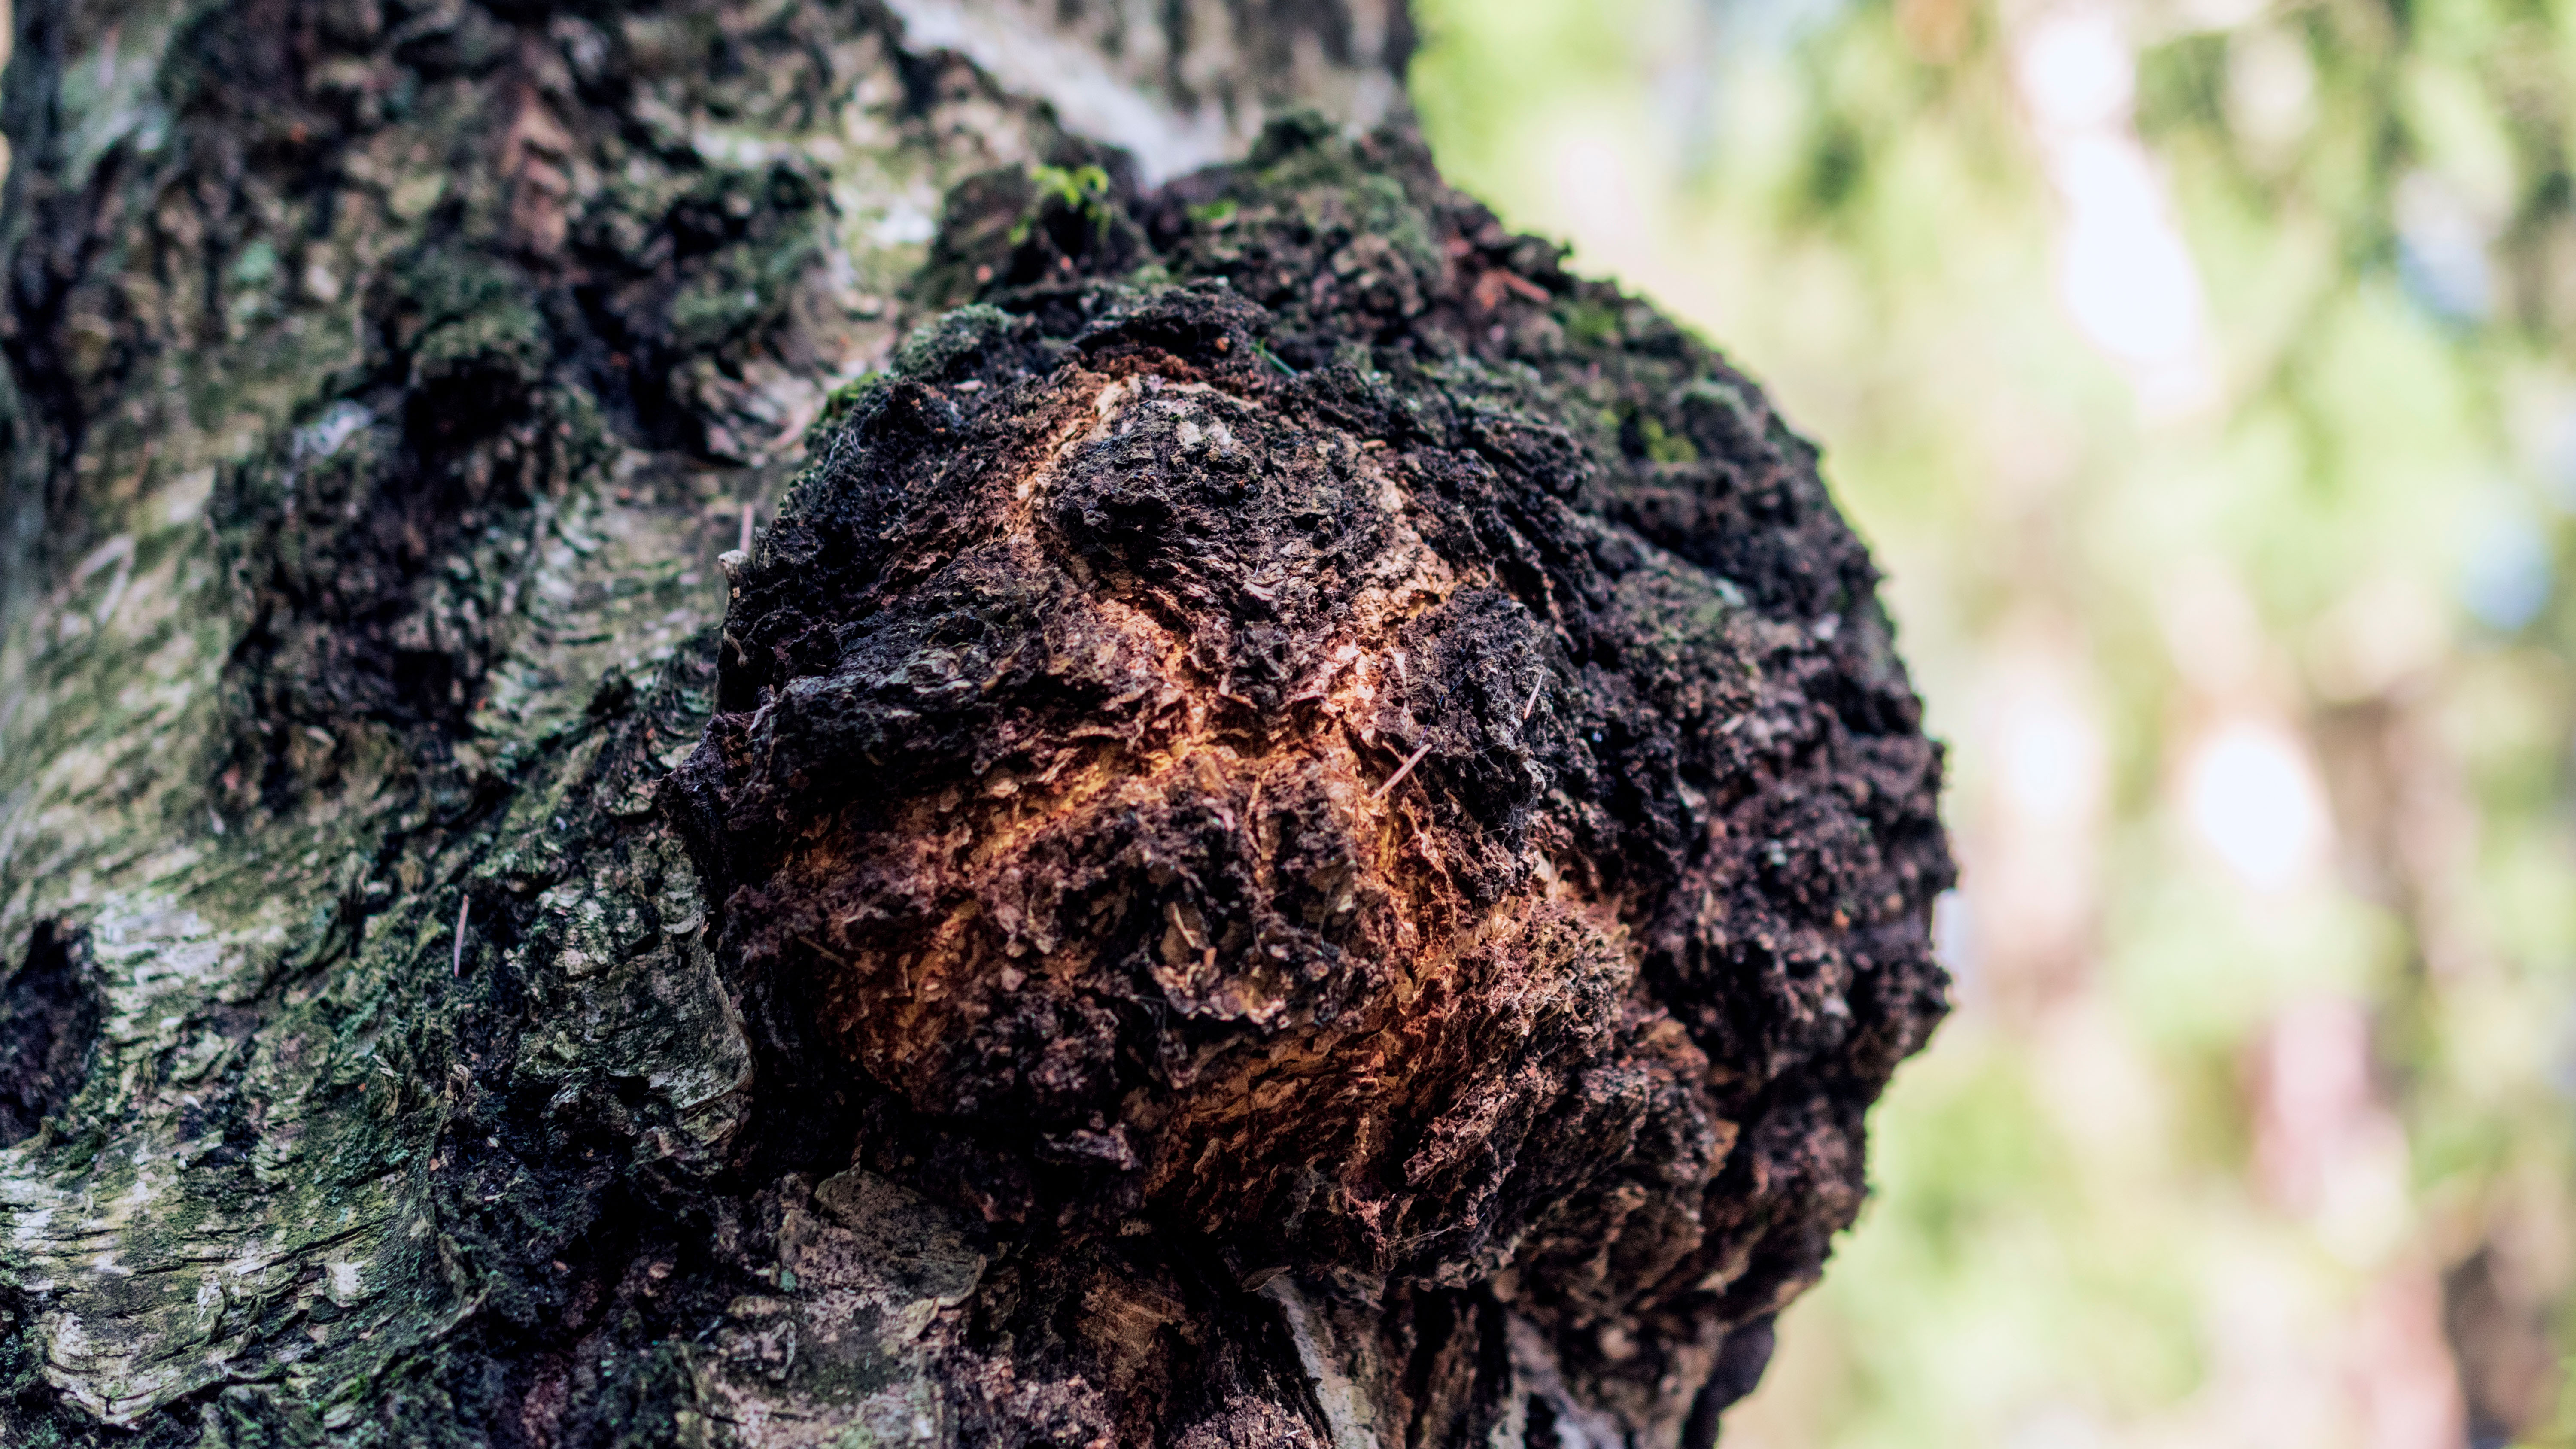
<point x="1328" y="738"/>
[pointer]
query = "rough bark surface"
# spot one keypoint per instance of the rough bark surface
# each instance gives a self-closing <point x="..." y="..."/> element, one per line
<point x="1302" y="830"/>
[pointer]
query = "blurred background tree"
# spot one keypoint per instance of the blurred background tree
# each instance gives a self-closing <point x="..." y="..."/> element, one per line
<point x="2204" y="373"/>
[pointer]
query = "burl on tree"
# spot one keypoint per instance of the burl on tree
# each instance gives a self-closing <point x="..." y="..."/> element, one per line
<point x="1298" y="748"/>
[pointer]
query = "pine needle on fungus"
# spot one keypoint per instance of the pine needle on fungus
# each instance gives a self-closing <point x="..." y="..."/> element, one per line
<point x="1402" y="770"/>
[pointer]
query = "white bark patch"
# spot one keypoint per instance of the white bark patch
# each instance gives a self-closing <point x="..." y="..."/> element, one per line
<point x="1350" y="1415"/>
<point x="1024" y="53"/>
<point x="1107" y="74"/>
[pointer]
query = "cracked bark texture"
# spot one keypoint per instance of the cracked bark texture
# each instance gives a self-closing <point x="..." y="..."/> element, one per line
<point x="1299" y="829"/>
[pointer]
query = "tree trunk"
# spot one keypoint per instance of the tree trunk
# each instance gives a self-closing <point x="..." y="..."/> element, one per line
<point x="1302" y="829"/>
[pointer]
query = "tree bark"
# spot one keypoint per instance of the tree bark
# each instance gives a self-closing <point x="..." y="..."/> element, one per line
<point x="1302" y="828"/>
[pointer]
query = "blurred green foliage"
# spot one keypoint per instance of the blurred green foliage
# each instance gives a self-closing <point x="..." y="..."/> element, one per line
<point x="2204" y="374"/>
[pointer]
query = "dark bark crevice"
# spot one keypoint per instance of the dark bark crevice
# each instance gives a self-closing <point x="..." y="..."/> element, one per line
<point x="49" y="1012"/>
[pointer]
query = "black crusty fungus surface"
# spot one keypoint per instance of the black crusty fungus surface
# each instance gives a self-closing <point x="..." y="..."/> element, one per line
<point x="1295" y="754"/>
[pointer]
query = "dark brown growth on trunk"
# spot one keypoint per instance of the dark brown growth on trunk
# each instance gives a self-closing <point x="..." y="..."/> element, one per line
<point x="1078" y="1025"/>
<point x="48" y="1021"/>
<point x="1296" y="749"/>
